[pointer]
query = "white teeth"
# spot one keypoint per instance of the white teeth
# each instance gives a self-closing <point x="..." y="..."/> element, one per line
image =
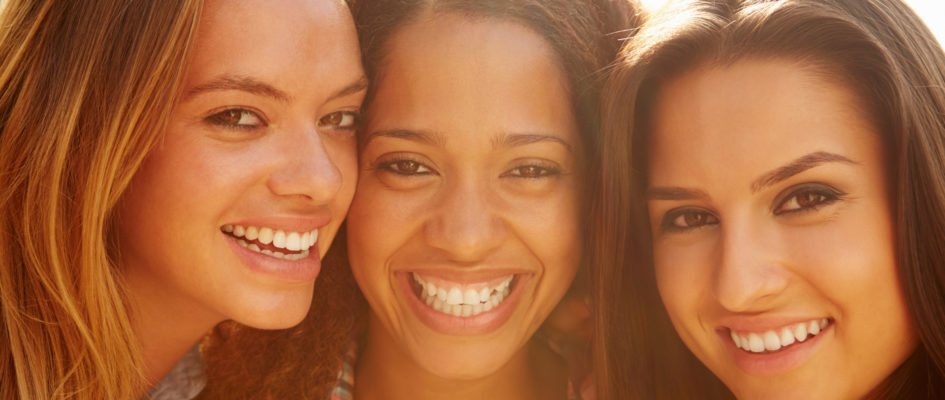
<point x="454" y="297"/>
<point x="787" y="337"/>
<point x="278" y="239"/>
<point x="462" y="302"/>
<point x="800" y="332"/>
<point x="291" y="241"/>
<point x="296" y="244"/>
<point x="773" y="340"/>
<point x="471" y="297"/>
<point x="265" y="235"/>
<point x="755" y="343"/>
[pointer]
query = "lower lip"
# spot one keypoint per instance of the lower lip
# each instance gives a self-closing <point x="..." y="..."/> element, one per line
<point x="449" y="324"/>
<point x="302" y="270"/>
<point x="778" y="362"/>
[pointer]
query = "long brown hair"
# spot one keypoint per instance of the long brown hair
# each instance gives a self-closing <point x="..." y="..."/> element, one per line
<point x="585" y="36"/>
<point x="85" y="88"/>
<point x="878" y="48"/>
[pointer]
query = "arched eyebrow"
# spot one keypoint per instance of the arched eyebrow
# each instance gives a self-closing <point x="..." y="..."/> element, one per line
<point x="420" y="136"/>
<point x="241" y="83"/>
<point x="779" y="174"/>
<point x="674" y="193"/>
<point x="256" y="87"/>
<point x="521" y="139"/>
<point x="795" y="167"/>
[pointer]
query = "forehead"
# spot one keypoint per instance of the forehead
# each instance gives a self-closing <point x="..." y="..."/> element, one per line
<point x="756" y="114"/>
<point x="449" y="73"/>
<point x="276" y="40"/>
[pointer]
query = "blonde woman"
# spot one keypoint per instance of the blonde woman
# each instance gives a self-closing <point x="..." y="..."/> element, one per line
<point x="166" y="166"/>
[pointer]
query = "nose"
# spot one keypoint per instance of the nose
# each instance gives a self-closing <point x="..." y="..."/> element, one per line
<point x="751" y="271"/>
<point x="466" y="223"/>
<point x="306" y="169"/>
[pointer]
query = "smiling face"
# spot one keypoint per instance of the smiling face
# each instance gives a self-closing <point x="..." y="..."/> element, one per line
<point x="230" y="212"/>
<point x="464" y="232"/>
<point x="773" y="232"/>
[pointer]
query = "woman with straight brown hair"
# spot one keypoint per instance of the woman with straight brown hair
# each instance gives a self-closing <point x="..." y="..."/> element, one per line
<point x="165" y="166"/>
<point x="788" y="158"/>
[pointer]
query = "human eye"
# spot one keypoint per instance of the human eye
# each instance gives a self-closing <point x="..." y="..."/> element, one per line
<point x="239" y="118"/>
<point x="404" y="165"/>
<point x="806" y="198"/>
<point x="340" y="120"/>
<point x="687" y="218"/>
<point x="533" y="170"/>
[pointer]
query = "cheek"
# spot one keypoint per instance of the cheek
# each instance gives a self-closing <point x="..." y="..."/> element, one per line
<point x="682" y="274"/>
<point x="374" y="234"/>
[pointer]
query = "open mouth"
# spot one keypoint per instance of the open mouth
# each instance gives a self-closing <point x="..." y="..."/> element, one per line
<point x="775" y="340"/>
<point x="275" y="243"/>
<point x="462" y="299"/>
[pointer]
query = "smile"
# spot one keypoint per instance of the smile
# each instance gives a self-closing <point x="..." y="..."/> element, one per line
<point x="272" y="242"/>
<point x="462" y="299"/>
<point x="779" y="339"/>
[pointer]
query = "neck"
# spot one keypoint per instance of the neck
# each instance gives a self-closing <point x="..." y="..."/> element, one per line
<point x="385" y="371"/>
<point x="166" y="326"/>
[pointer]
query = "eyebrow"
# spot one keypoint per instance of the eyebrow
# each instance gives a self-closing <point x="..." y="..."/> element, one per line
<point x="674" y="193"/>
<point x="425" y="137"/>
<point x="795" y="167"/>
<point x="253" y="86"/>
<point x="777" y="175"/>
<point x="521" y="139"/>
<point x="241" y="83"/>
<point x="358" y="85"/>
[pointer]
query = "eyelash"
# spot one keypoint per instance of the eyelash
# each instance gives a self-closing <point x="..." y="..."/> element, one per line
<point x="824" y="194"/>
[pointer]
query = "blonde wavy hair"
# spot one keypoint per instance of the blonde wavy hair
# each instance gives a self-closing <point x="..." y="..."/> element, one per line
<point x="85" y="88"/>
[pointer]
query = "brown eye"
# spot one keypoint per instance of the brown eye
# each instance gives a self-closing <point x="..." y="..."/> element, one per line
<point x="340" y="120"/>
<point x="807" y="198"/>
<point x="686" y="219"/>
<point x="694" y="219"/>
<point x="537" y="169"/>
<point x="405" y="167"/>
<point x="236" y="118"/>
